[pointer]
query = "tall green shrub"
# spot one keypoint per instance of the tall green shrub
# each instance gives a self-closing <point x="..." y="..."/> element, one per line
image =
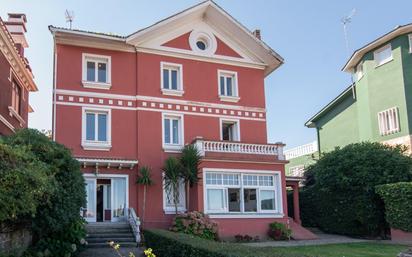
<point x="398" y="204"/>
<point x="58" y="219"/>
<point x="342" y="187"/>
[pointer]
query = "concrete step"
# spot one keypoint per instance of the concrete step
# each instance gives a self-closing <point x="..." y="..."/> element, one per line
<point x="109" y="230"/>
<point x="106" y="245"/>
<point x="111" y="235"/>
<point x="301" y="233"/>
<point x="108" y="239"/>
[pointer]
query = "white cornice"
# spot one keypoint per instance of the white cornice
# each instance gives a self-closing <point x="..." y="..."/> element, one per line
<point x="7" y="123"/>
<point x="16" y="62"/>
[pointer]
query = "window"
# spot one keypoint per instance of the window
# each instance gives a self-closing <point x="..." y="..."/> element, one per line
<point x="203" y="42"/>
<point x="296" y="171"/>
<point x="388" y="121"/>
<point x="410" y="43"/>
<point x="96" y="71"/>
<point x="359" y="71"/>
<point x="228" y="89"/>
<point x="16" y="98"/>
<point x="96" y="129"/>
<point x="383" y="55"/>
<point x="168" y="203"/>
<point x="171" y="79"/>
<point x="242" y="193"/>
<point x="229" y="130"/>
<point x="172" y="132"/>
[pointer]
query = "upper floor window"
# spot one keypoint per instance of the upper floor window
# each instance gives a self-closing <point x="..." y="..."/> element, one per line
<point x="16" y="97"/>
<point x="410" y="43"/>
<point x="171" y="78"/>
<point x="297" y="171"/>
<point x="383" y="55"/>
<point x="96" y="71"/>
<point x="236" y="193"/>
<point x="388" y="121"/>
<point x="228" y="86"/>
<point x="172" y="132"/>
<point x="229" y="130"/>
<point x="96" y="129"/>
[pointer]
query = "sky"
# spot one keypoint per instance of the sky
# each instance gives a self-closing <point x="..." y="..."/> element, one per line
<point x="307" y="34"/>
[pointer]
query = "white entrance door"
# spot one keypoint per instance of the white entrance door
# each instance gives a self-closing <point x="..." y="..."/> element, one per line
<point x="90" y="212"/>
<point x="119" y="199"/>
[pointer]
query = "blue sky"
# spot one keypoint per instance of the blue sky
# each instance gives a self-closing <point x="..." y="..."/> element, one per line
<point x="307" y="34"/>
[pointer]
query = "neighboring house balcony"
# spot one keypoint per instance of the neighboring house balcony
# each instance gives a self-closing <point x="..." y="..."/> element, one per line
<point x="239" y="150"/>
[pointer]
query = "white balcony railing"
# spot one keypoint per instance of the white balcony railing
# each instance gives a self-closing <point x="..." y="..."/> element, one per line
<point x="301" y="150"/>
<point x="237" y="147"/>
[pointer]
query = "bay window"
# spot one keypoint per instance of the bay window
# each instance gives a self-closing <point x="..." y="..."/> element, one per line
<point x="242" y="193"/>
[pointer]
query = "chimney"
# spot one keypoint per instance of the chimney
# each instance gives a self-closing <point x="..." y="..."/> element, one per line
<point x="256" y="33"/>
<point x="16" y="25"/>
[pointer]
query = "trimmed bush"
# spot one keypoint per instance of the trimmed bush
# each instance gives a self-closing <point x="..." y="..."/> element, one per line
<point x="398" y="204"/>
<point x="195" y="223"/>
<point x="279" y="231"/>
<point x="170" y="244"/>
<point x="341" y="187"/>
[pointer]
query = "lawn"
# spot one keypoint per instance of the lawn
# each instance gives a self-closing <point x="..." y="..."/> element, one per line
<point x="342" y="250"/>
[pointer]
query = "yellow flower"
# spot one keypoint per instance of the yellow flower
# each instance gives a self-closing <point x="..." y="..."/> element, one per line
<point x="116" y="247"/>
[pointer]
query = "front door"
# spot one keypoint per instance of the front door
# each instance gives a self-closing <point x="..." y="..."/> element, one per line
<point x="119" y="201"/>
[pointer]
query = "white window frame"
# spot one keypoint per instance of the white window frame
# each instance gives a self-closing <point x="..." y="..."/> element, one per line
<point x="235" y="89"/>
<point x="96" y="58"/>
<point x="388" y="121"/>
<point x="410" y="43"/>
<point x="380" y="50"/>
<point x="172" y="66"/>
<point x="236" y="123"/>
<point x="224" y="213"/>
<point x="97" y="145"/>
<point x="173" y="147"/>
<point x="181" y="208"/>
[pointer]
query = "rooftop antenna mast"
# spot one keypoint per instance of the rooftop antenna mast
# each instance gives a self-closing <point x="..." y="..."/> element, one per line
<point x="345" y="21"/>
<point x="69" y="17"/>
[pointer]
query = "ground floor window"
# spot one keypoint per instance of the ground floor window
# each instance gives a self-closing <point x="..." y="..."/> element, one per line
<point x="242" y="192"/>
<point x="168" y="201"/>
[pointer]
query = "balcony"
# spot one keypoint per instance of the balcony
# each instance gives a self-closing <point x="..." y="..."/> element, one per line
<point x="231" y="147"/>
<point x="301" y="150"/>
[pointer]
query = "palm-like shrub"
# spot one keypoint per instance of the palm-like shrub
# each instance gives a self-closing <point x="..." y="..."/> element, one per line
<point x="144" y="178"/>
<point x="190" y="160"/>
<point x="172" y="177"/>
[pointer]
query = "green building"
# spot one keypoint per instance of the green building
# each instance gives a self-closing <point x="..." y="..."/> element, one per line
<point x="378" y="105"/>
<point x="299" y="158"/>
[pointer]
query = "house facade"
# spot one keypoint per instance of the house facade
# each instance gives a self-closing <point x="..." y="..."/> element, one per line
<point x="197" y="77"/>
<point x="377" y="107"/>
<point x="16" y="78"/>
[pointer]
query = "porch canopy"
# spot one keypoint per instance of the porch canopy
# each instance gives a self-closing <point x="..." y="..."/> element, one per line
<point x="106" y="163"/>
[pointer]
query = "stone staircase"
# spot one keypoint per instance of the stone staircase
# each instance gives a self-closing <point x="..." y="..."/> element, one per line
<point x="301" y="233"/>
<point x="99" y="234"/>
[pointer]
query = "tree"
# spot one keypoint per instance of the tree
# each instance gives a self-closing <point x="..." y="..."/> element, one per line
<point x="190" y="160"/>
<point x="342" y="187"/>
<point x="144" y="178"/>
<point x="172" y="178"/>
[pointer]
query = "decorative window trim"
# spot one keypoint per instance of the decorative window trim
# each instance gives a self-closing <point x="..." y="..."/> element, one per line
<point x="15" y="114"/>
<point x="96" y="84"/>
<point x="383" y="48"/>
<point x="235" y="97"/>
<point x="96" y="145"/>
<point x="207" y="37"/>
<point x="277" y="188"/>
<point x="388" y="121"/>
<point x="173" y="148"/>
<point x="180" y="208"/>
<point x="237" y="126"/>
<point x="172" y="92"/>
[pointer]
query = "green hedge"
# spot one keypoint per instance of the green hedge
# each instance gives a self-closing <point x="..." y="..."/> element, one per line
<point x="398" y="204"/>
<point x="170" y="244"/>
<point x="339" y="195"/>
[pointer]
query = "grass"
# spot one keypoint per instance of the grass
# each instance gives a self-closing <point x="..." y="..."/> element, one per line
<point x="342" y="250"/>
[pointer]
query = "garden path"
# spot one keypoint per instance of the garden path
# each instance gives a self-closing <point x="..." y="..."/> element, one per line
<point x="109" y="252"/>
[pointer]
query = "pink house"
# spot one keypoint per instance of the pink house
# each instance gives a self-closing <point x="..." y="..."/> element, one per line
<point x="197" y="77"/>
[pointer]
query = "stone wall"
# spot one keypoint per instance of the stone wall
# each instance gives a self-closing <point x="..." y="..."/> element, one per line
<point x="15" y="241"/>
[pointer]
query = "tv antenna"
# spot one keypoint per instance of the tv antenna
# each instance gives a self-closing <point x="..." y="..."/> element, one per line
<point x="69" y="17"/>
<point x="345" y="21"/>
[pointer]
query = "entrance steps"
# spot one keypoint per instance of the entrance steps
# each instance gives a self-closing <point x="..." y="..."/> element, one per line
<point x="299" y="232"/>
<point x="100" y="233"/>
